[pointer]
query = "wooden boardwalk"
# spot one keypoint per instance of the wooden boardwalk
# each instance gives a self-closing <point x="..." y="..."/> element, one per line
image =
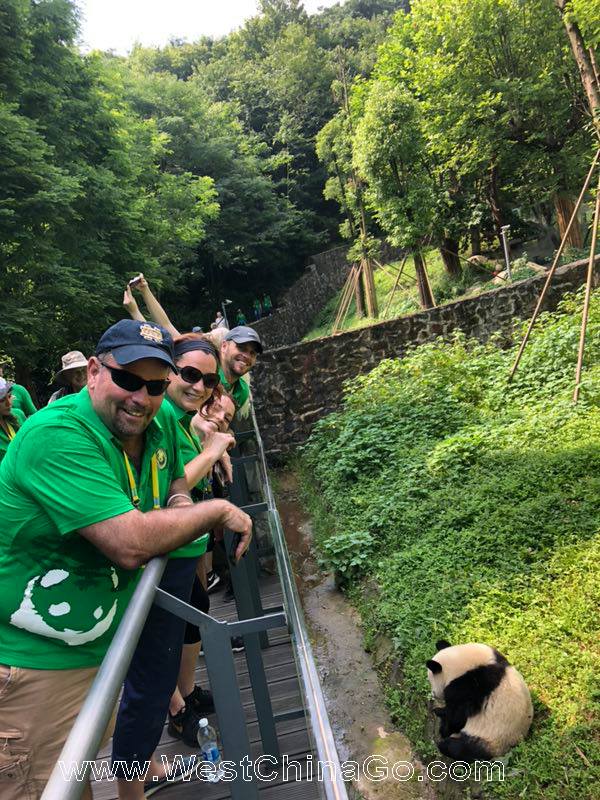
<point x="285" y="695"/>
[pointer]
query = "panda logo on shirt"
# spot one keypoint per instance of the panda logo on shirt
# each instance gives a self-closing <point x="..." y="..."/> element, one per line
<point x="45" y="610"/>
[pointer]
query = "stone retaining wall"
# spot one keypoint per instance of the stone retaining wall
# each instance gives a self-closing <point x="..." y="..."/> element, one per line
<point x="295" y="386"/>
<point x="299" y="306"/>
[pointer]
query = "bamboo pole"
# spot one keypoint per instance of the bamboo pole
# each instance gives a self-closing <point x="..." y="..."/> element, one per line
<point x="385" y="269"/>
<point x="393" y="292"/>
<point x="392" y="274"/>
<point x="357" y="278"/>
<point x="347" y="300"/>
<point x="428" y="281"/>
<point x="347" y="291"/>
<point x="369" y="283"/>
<point x="407" y="283"/>
<point x="552" y="269"/>
<point x="588" y="292"/>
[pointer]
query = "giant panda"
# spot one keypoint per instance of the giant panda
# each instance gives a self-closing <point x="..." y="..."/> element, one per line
<point x="487" y="706"/>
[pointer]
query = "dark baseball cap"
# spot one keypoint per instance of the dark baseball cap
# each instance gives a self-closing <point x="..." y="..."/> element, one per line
<point x="130" y="340"/>
<point x="243" y="334"/>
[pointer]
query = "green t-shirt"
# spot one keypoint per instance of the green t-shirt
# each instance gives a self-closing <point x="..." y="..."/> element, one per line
<point x="62" y="599"/>
<point x="22" y="400"/>
<point x="239" y="390"/>
<point x="4" y="438"/>
<point x="190" y="446"/>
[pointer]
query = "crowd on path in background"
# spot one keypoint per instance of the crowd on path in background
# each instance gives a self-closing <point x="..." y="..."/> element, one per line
<point x="129" y="460"/>
<point x="262" y="308"/>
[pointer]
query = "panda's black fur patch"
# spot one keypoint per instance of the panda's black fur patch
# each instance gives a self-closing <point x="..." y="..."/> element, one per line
<point x="465" y="748"/>
<point x="465" y="696"/>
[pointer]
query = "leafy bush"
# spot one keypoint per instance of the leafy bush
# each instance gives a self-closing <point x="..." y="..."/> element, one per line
<point x="478" y="502"/>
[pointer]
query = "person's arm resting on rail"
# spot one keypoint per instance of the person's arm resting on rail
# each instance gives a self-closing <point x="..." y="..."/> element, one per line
<point x="132" y="539"/>
<point x="77" y="489"/>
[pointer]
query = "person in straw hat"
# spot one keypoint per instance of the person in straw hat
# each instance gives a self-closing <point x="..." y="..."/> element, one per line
<point x="72" y="376"/>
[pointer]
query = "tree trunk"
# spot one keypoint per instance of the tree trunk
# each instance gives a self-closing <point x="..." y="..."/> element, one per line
<point x="425" y="296"/>
<point x="584" y="61"/>
<point x="449" y="252"/>
<point x="342" y="185"/>
<point x="475" y="234"/>
<point x="369" y="284"/>
<point x="359" y="296"/>
<point x="494" y="200"/>
<point x="564" y="206"/>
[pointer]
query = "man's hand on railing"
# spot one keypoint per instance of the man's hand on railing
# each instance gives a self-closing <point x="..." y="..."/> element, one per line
<point x="238" y="521"/>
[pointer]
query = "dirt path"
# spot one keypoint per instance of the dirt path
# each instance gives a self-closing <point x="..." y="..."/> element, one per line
<point x="360" y="721"/>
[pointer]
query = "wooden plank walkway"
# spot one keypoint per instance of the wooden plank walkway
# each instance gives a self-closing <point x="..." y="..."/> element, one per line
<point x="285" y="695"/>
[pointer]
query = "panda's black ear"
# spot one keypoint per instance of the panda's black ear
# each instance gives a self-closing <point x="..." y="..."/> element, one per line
<point x="442" y="645"/>
<point x="434" y="666"/>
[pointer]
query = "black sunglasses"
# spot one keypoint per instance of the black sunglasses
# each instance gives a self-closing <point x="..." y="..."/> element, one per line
<point x="193" y="375"/>
<point x="132" y="383"/>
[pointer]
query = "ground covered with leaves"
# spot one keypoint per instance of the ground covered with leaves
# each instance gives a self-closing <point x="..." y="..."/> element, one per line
<point x="473" y="505"/>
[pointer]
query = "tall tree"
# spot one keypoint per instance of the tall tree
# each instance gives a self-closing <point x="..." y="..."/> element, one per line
<point x="389" y="153"/>
<point x="575" y="16"/>
<point x="84" y="201"/>
<point x="500" y="104"/>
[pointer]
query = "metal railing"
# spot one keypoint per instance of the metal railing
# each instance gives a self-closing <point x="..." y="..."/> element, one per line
<point x="254" y="622"/>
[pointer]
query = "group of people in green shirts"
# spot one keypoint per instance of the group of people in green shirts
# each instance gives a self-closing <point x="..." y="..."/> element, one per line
<point x="91" y="488"/>
<point x="262" y="308"/>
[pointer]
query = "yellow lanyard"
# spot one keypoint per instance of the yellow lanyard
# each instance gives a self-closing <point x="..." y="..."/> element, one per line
<point x="133" y="486"/>
<point x="191" y="438"/>
<point x="10" y="431"/>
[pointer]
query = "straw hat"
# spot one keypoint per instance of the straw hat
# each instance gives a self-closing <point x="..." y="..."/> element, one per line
<point x="74" y="359"/>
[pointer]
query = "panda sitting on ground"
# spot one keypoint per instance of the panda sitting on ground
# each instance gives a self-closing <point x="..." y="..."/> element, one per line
<point x="487" y="706"/>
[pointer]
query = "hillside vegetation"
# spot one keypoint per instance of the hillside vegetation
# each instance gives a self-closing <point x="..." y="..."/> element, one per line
<point x="405" y="300"/>
<point x="454" y="505"/>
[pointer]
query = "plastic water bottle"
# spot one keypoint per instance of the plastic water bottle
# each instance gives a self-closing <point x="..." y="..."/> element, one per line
<point x="207" y="739"/>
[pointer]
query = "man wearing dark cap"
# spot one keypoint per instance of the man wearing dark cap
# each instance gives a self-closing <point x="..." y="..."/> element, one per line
<point x="77" y="487"/>
<point x="239" y="350"/>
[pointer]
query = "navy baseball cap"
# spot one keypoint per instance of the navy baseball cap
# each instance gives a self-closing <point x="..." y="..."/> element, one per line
<point x="130" y="340"/>
<point x="243" y="334"/>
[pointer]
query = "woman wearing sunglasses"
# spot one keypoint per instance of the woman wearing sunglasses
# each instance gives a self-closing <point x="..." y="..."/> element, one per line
<point x="10" y="419"/>
<point x="195" y="388"/>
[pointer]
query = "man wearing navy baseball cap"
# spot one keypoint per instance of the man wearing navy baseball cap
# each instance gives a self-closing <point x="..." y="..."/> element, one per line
<point x="91" y="488"/>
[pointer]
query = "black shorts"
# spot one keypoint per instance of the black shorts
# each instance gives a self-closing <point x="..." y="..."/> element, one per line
<point x="201" y="601"/>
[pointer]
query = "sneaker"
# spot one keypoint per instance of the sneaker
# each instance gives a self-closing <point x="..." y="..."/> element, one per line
<point x="228" y="596"/>
<point x="237" y="644"/>
<point x="212" y="581"/>
<point x="184" y="725"/>
<point x="201" y="701"/>
<point x="181" y="769"/>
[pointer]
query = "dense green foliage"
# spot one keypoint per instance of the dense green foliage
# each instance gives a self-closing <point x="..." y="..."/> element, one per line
<point x="218" y="166"/>
<point x="474" y="117"/>
<point x="85" y="198"/>
<point x="195" y="163"/>
<point x="474" y="507"/>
